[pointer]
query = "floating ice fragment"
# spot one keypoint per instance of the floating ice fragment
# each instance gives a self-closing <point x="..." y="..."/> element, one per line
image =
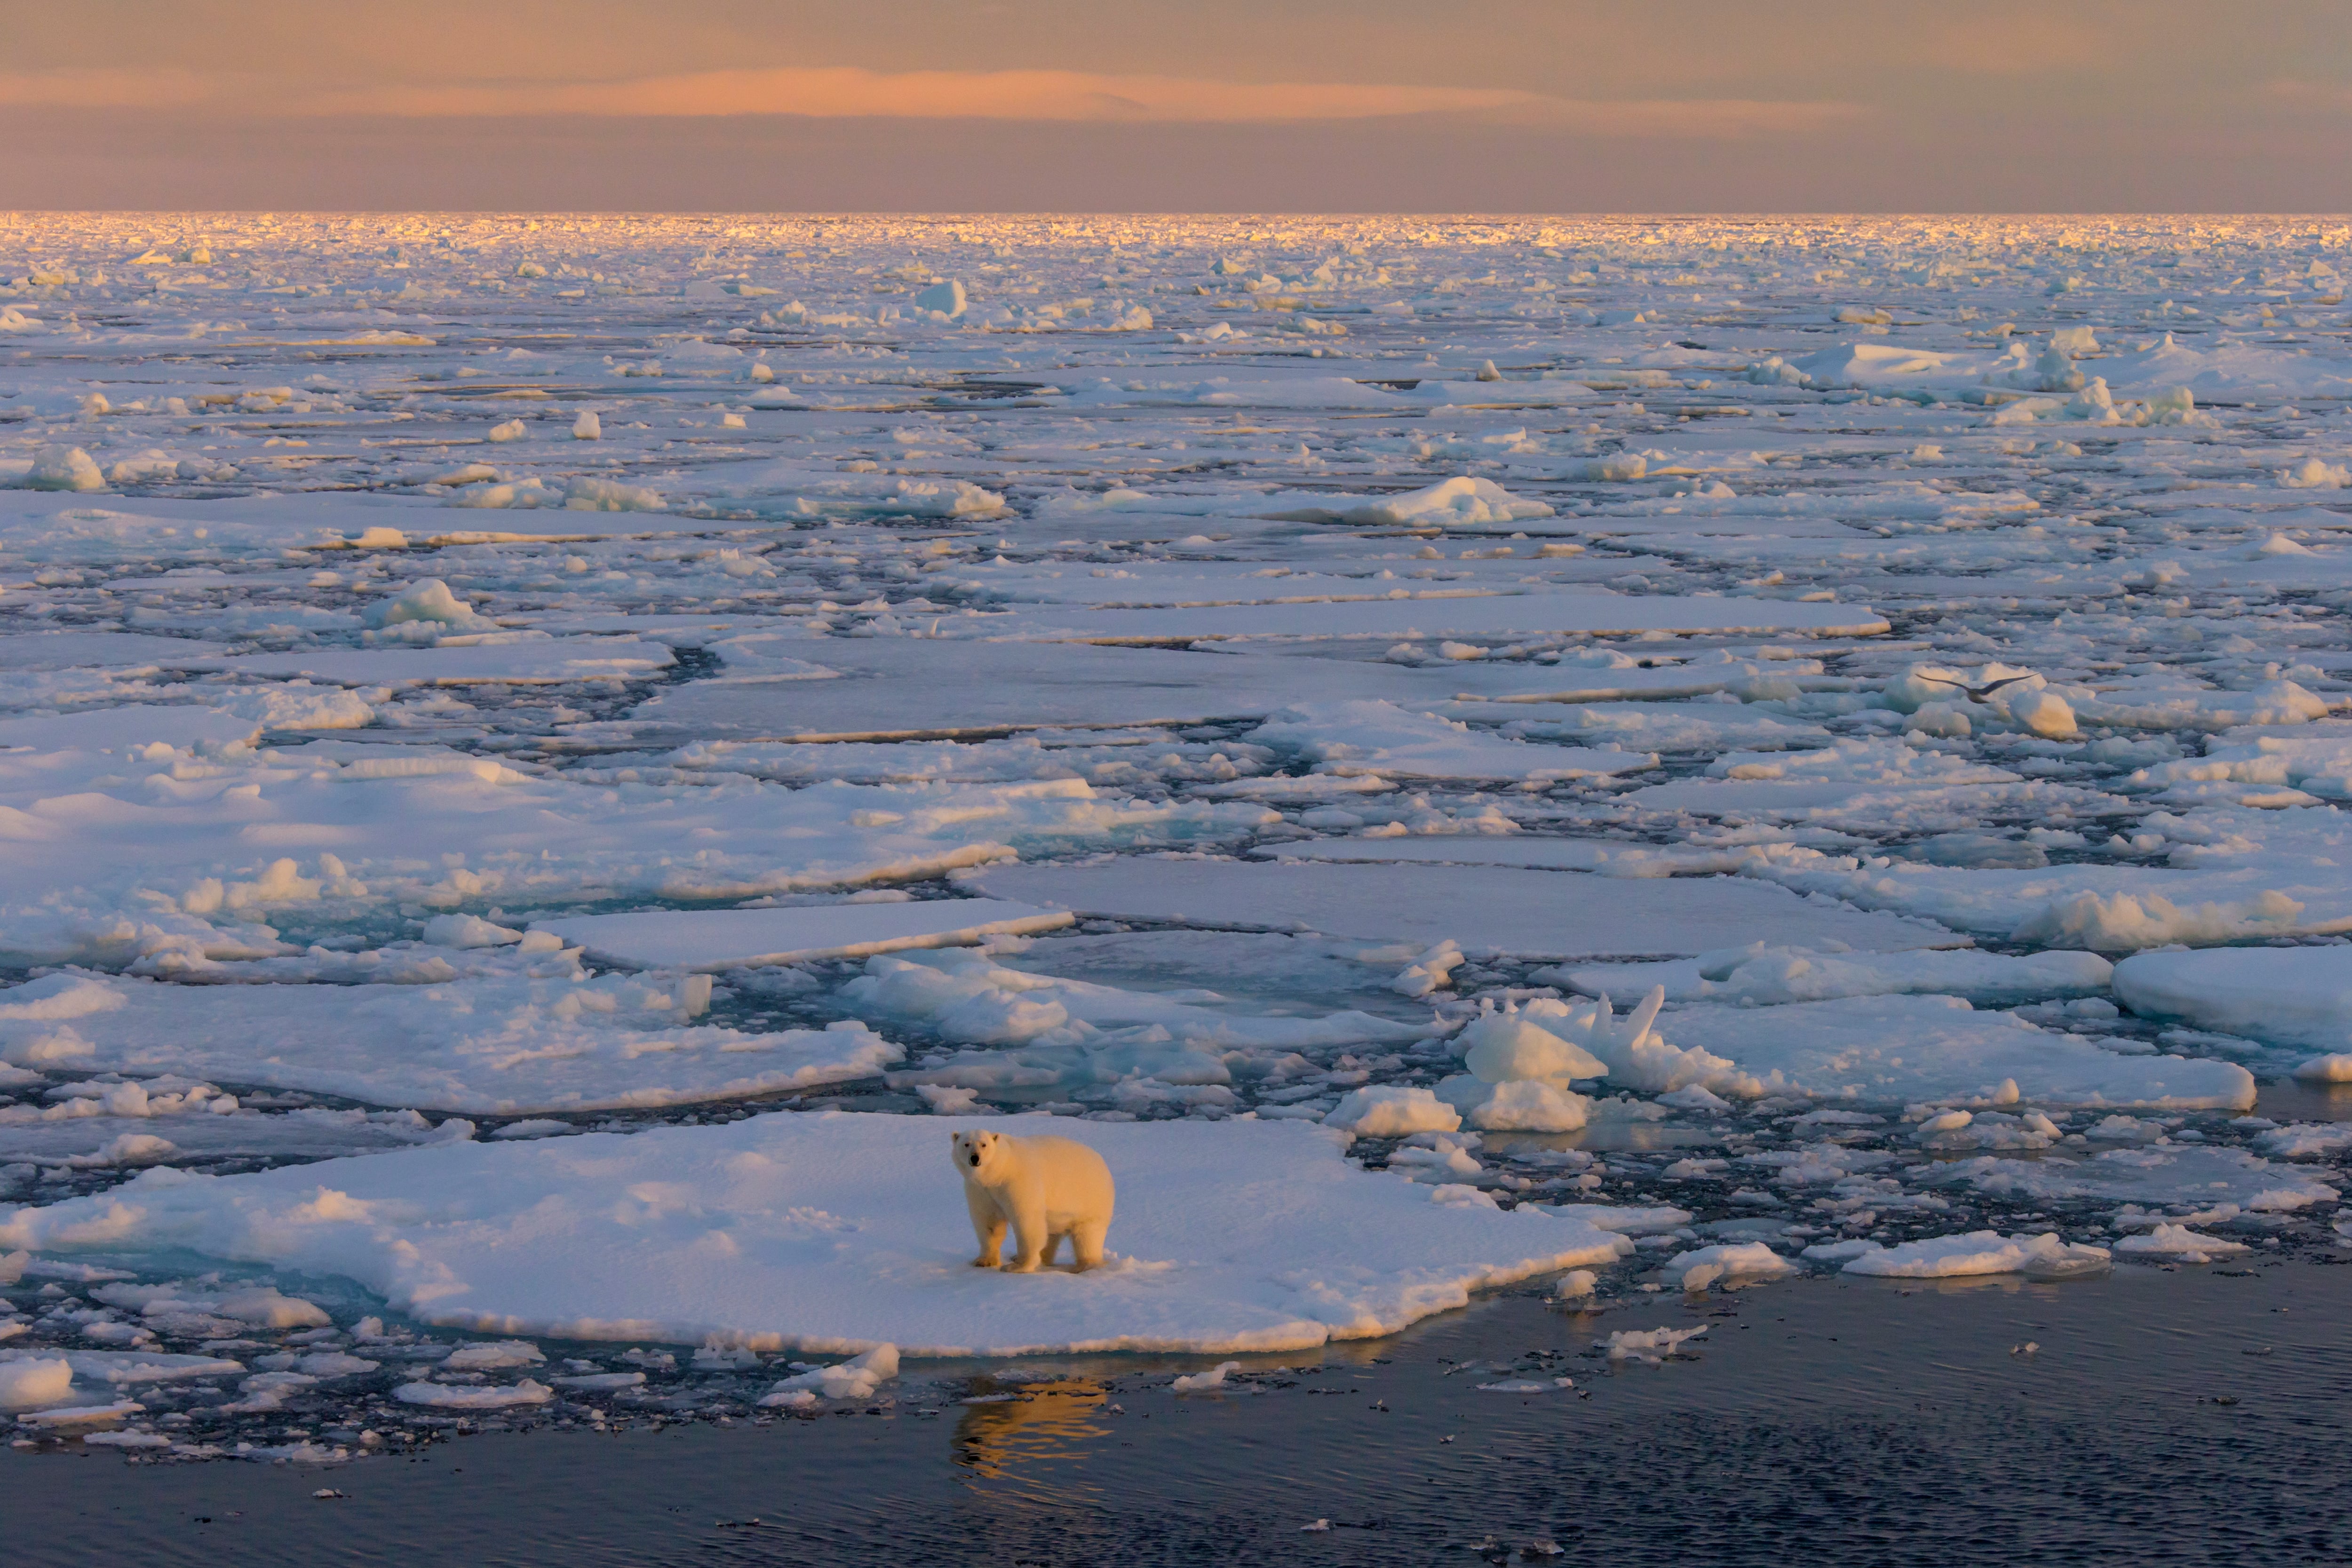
<point x="2120" y="922"/>
<point x="429" y="601"/>
<point x="485" y="1355"/>
<point x="1980" y="1252"/>
<point x="63" y="469"/>
<point x="1779" y="975"/>
<point x="268" y="1391"/>
<point x="1520" y="1106"/>
<point x="601" y="1382"/>
<point x="34" y="1381"/>
<point x="267" y="1307"/>
<point x="462" y="1396"/>
<point x="945" y="300"/>
<point x="2179" y="1244"/>
<point x="467" y="932"/>
<point x="536" y="1127"/>
<point x="1462" y="502"/>
<point x="1433" y="970"/>
<point x="1697" y="1269"/>
<point x="1575" y="1285"/>
<point x="1203" y="1382"/>
<point x="1650" y="1346"/>
<point x="2311" y="474"/>
<point x="1389" y="1110"/>
<point x="858" y="1378"/>
<point x="84" y="1415"/>
<point x="1509" y="1046"/>
<point x="1441" y="1157"/>
<point x="728" y="939"/>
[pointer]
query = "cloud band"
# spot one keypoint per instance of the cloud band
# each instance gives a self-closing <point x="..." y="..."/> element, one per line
<point x="835" y="92"/>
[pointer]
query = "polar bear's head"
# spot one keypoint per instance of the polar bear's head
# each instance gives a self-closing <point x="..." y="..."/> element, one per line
<point x="978" y="1152"/>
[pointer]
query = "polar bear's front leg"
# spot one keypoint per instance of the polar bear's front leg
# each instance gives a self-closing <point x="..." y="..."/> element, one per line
<point x="988" y="1223"/>
<point x="1029" y="1239"/>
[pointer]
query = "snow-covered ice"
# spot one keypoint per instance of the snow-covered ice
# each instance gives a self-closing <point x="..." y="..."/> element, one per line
<point x="1534" y="914"/>
<point x="509" y="1044"/>
<point x="1978" y="1252"/>
<point x="2290" y="996"/>
<point x="1761" y="972"/>
<point x="743" y="938"/>
<point x="842" y="1232"/>
<point x="1881" y="1049"/>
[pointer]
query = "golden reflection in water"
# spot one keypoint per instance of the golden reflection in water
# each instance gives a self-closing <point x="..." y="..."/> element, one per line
<point x="1022" y="1440"/>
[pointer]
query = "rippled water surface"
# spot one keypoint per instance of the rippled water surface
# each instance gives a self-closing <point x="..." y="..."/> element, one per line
<point x="2189" y="1417"/>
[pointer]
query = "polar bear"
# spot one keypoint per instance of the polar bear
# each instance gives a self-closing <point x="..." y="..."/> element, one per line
<point x="1044" y="1188"/>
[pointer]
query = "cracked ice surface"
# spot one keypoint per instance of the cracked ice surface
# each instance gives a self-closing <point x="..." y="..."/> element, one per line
<point x="1895" y="639"/>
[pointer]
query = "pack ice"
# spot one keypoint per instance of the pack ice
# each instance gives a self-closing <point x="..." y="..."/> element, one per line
<point x="1863" y="702"/>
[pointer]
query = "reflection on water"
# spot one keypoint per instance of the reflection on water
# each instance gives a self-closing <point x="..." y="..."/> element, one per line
<point x="1025" y="1434"/>
<point x="2289" y="1100"/>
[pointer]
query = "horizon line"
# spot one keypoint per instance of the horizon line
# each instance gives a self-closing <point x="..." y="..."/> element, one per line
<point x="968" y="214"/>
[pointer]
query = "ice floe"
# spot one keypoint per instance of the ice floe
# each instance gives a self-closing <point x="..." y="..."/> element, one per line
<point x="842" y="1232"/>
<point x="1540" y="914"/>
<point x="507" y="1045"/>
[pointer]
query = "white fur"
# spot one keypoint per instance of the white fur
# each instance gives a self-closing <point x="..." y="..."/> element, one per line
<point x="1043" y="1188"/>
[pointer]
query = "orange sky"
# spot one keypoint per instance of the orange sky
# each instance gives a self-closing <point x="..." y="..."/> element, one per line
<point x="1300" y="105"/>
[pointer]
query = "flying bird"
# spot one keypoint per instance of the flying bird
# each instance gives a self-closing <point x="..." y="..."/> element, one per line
<point x="1974" y="693"/>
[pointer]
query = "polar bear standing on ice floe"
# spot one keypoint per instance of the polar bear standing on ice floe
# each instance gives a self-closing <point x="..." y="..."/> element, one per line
<point x="1044" y="1188"/>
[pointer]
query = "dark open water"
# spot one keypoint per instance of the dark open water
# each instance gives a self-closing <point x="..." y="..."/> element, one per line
<point x="2187" y="1417"/>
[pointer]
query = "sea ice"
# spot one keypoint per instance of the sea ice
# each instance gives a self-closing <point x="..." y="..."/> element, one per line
<point x="1540" y="915"/>
<point x="714" y="940"/>
<point x="1902" y="1049"/>
<point x="33" y="1381"/>
<point x="1384" y="741"/>
<point x="503" y="1046"/>
<point x="1702" y="1266"/>
<point x="2288" y="996"/>
<point x="843" y="1232"/>
<point x="1978" y="1252"/>
<point x="1760" y="972"/>
<point x="1519" y="604"/>
<point x="2180" y="1245"/>
<point x="966" y="999"/>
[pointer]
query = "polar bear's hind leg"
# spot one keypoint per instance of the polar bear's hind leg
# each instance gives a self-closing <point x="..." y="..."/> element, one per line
<point x="1086" y="1244"/>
